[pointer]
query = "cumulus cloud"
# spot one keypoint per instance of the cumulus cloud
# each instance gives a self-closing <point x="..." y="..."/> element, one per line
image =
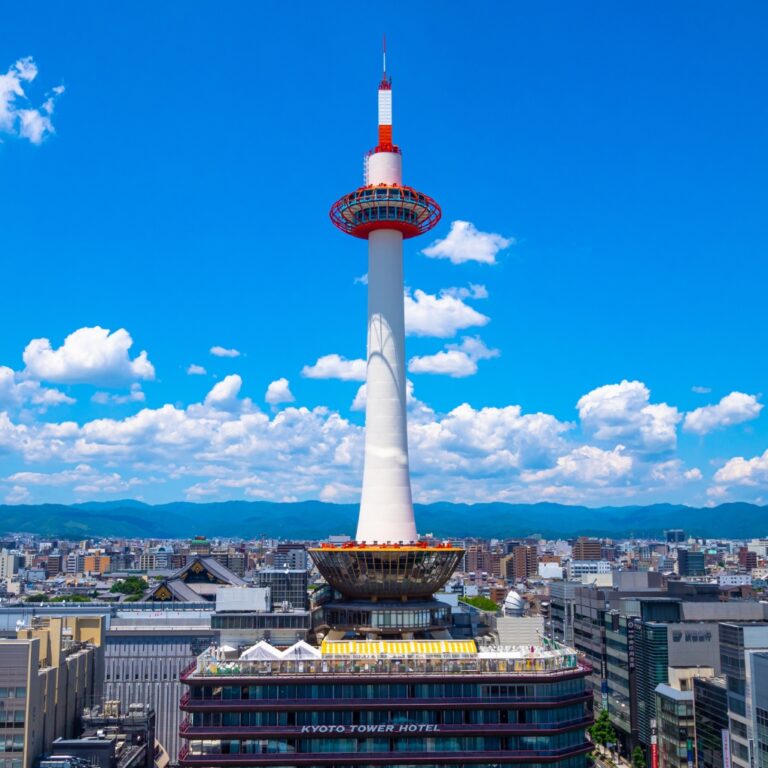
<point x="456" y="360"/>
<point x="82" y="478"/>
<point x="17" y="116"/>
<point x="224" y="352"/>
<point x="472" y="291"/>
<point x="442" y="315"/>
<point x="335" y="367"/>
<point x="623" y="413"/>
<point x="17" y="392"/>
<point x="361" y="397"/>
<point x="88" y="355"/>
<point x="224" y="393"/>
<point x="466" y="243"/>
<point x="279" y="391"/>
<point x="701" y="390"/>
<point x="196" y="370"/>
<point x="136" y="395"/>
<point x="224" y="447"/>
<point x="741" y="471"/>
<point x="586" y="465"/>
<point x="735" y="408"/>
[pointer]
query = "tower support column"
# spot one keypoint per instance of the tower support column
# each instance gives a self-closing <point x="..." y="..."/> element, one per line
<point x="386" y="507"/>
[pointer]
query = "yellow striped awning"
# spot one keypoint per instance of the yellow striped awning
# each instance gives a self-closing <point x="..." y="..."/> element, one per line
<point x="398" y="648"/>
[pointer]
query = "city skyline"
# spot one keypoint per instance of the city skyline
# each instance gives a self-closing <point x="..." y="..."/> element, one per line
<point x="544" y="362"/>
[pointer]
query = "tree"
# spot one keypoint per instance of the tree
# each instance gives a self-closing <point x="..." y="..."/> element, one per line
<point x="602" y="731"/>
<point x="132" y="585"/>
<point x="638" y="757"/>
<point x="483" y="603"/>
<point x="71" y="599"/>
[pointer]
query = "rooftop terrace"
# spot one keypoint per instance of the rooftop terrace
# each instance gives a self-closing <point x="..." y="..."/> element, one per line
<point x="420" y="657"/>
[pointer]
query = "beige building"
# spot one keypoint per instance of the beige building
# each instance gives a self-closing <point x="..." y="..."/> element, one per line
<point x="10" y="562"/>
<point x="48" y="674"/>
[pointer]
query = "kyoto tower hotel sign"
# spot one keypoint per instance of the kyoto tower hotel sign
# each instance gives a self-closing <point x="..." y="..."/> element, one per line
<point x="386" y="561"/>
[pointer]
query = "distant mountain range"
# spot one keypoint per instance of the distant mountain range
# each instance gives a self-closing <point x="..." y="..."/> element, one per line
<point x="316" y="519"/>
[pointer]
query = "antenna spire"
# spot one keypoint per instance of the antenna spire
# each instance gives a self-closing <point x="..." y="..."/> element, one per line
<point x="384" y="55"/>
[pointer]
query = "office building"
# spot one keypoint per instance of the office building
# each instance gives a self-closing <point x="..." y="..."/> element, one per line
<point x="111" y="738"/>
<point x="744" y="654"/>
<point x="587" y="549"/>
<point x="675" y="536"/>
<point x="578" y="569"/>
<point x="145" y="654"/>
<point x="10" y="562"/>
<point x="675" y="728"/>
<point x="690" y="563"/>
<point x="710" y="698"/>
<point x="561" y="610"/>
<point x="48" y="674"/>
<point x="288" y="587"/>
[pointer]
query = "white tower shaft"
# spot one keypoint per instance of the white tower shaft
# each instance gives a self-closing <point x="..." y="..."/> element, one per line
<point x="386" y="507"/>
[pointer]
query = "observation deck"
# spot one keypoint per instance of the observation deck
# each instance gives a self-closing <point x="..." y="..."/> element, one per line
<point x="389" y="571"/>
<point x="385" y="207"/>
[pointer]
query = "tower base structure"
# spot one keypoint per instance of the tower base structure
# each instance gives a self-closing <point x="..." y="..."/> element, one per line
<point x="385" y="590"/>
<point x="386" y="571"/>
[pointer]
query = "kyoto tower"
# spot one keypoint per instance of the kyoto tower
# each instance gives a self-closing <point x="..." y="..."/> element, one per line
<point x="385" y="212"/>
<point x="386" y="561"/>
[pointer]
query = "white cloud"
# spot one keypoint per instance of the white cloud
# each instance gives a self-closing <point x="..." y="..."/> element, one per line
<point x="585" y="466"/>
<point x="623" y="413"/>
<point x="362" y="280"/>
<point x="361" y="397"/>
<point x="16" y="116"/>
<point x="335" y="367"/>
<point x="741" y="471"/>
<point x="457" y="360"/>
<point x="441" y="315"/>
<point x="466" y="243"/>
<point x="82" y="479"/>
<point x="224" y="352"/>
<point x="136" y="395"/>
<point x="88" y="355"/>
<point x="735" y="408"/>
<point x="225" y="447"/>
<point x="196" y="370"/>
<point x="279" y="391"/>
<point x="483" y="443"/>
<point x="17" y="392"/>
<point x="18" y="494"/>
<point x="223" y="394"/>
<point x="701" y="390"/>
<point x="473" y="291"/>
<point x="338" y="492"/>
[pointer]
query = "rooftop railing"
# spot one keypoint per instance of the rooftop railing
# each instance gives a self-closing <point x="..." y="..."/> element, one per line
<point x="553" y="663"/>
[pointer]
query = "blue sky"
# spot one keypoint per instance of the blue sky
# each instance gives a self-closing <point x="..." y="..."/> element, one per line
<point x="178" y="189"/>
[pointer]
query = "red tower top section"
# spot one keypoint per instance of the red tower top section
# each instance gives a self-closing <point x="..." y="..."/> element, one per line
<point x="385" y="107"/>
<point x="389" y="204"/>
